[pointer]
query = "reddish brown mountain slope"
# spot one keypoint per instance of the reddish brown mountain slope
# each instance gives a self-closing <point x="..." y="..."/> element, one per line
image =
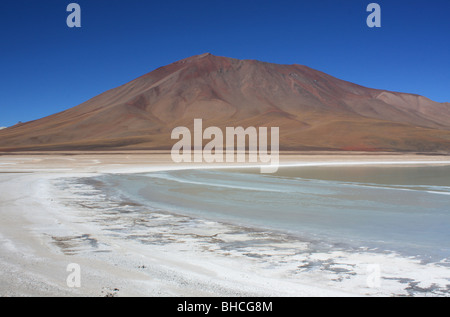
<point x="313" y="110"/>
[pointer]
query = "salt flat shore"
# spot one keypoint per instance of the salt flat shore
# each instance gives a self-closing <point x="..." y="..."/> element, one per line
<point x="49" y="219"/>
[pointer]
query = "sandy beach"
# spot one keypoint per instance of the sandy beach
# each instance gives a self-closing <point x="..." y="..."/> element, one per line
<point x="49" y="219"/>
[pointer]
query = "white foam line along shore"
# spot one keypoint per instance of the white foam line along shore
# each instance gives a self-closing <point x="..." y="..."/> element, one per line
<point x="47" y="223"/>
<point x="141" y="169"/>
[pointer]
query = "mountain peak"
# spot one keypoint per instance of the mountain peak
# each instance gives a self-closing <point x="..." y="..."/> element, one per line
<point x="205" y="55"/>
<point x="313" y="110"/>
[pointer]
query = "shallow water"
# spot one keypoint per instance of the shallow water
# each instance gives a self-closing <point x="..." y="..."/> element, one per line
<point x="402" y="209"/>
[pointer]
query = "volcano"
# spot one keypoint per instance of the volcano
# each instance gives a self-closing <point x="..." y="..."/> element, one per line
<point x="313" y="110"/>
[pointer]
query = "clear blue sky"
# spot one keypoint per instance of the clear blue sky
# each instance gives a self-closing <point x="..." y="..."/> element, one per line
<point x="47" y="67"/>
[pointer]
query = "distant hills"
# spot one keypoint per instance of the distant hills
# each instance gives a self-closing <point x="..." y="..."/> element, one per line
<point x="313" y="110"/>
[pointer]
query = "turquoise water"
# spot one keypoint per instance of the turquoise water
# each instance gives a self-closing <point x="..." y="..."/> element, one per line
<point x="402" y="209"/>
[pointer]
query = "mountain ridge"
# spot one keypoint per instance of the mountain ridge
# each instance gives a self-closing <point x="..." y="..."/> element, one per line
<point x="314" y="110"/>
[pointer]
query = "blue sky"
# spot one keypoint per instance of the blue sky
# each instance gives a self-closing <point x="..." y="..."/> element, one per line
<point x="47" y="67"/>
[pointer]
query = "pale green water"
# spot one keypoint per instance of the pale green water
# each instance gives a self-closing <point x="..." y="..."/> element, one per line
<point x="404" y="209"/>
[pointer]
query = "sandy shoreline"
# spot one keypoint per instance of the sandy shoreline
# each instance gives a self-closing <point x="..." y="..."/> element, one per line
<point x="49" y="220"/>
<point x="136" y="162"/>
